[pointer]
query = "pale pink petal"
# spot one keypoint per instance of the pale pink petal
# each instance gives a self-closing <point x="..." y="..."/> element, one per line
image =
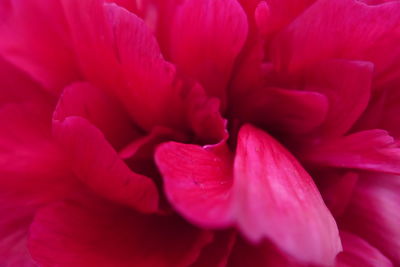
<point x="206" y="37"/>
<point x="277" y="199"/>
<point x="98" y="165"/>
<point x="373" y="150"/>
<point x="373" y="213"/>
<point x="86" y="231"/>
<point x="357" y="252"/>
<point x="266" y="193"/>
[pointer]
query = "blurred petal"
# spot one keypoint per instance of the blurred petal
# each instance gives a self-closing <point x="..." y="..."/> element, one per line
<point x="34" y="37"/>
<point x="373" y="213"/>
<point x="86" y="231"/>
<point x="217" y="253"/>
<point x="357" y="252"/>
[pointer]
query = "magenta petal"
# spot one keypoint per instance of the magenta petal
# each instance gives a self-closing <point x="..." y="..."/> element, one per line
<point x="341" y="81"/>
<point x="268" y="195"/>
<point x="337" y="29"/>
<point x="197" y="182"/>
<point x="373" y="213"/>
<point x="85" y="100"/>
<point x="14" y="225"/>
<point x="150" y="93"/>
<point x="34" y="37"/>
<point x="131" y="66"/>
<point x="97" y="164"/>
<point x="373" y="150"/>
<point x="289" y="111"/>
<point x="277" y="199"/>
<point x="217" y="253"/>
<point x="357" y="252"/>
<point x="206" y="37"/>
<point x="86" y="231"/>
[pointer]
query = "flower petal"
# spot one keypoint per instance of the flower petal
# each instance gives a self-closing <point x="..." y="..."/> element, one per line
<point x="84" y="100"/>
<point x="34" y="37"/>
<point x="336" y="29"/>
<point x="97" y="164"/>
<point x="206" y="37"/>
<point x="373" y="213"/>
<point x="357" y="252"/>
<point x="131" y="66"/>
<point x="373" y="150"/>
<point x="277" y="199"/>
<point x="87" y="231"/>
<point x="341" y="81"/>
<point x="197" y="181"/>
<point x="267" y="194"/>
<point x="217" y="253"/>
<point x="282" y="110"/>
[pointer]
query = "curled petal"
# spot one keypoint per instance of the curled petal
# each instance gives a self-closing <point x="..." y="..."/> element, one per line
<point x="98" y="165"/>
<point x="264" y="191"/>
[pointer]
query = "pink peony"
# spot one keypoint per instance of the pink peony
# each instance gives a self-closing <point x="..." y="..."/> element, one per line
<point x="197" y="133"/>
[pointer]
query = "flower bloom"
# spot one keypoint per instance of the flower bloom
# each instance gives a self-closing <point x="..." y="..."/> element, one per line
<point x="196" y="133"/>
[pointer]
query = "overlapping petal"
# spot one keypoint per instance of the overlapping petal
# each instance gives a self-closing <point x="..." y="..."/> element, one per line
<point x="98" y="165"/>
<point x="264" y="191"/>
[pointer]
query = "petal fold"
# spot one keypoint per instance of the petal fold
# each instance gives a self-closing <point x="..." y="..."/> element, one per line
<point x="98" y="165"/>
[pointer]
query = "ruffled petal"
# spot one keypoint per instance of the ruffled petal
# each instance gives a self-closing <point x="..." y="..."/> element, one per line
<point x="131" y="66"/>
<point x="357" y="252"/>
<point x="266" y="193"/>
<point x="206" y="37"/>
<point x="98" y="165"/>
<point x="86" y="231"/>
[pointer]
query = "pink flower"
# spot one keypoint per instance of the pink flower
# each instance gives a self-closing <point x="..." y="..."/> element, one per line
<point x="199" y="133"/>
